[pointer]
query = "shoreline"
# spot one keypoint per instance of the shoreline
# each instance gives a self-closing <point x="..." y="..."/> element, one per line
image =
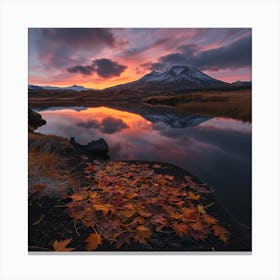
<point x="42" y="205"/>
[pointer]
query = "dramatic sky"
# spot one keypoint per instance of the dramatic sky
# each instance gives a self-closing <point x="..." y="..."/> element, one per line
<point x="100" y="58"/>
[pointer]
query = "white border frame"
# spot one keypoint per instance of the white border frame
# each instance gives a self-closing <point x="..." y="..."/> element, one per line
<point x="262" y="16"/>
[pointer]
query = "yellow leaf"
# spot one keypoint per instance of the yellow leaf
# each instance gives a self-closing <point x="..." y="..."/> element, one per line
<point x="200" y="209"/>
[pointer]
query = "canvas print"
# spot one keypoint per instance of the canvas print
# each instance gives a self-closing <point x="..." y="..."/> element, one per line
<point x="139" y="139"/>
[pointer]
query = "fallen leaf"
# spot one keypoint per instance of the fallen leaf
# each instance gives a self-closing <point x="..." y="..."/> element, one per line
<point x="77" y="196"/>
<point x="221" y="232"/>
<point x="197" y="226"/>
<point x="143" y="233"/>
<point x="180" y="229"/>
<point x="93" y="241"/>
<point x="156" y="166"/>
<point x="90" y="168"/>
<point x="194" y="196"/>
<point x="209" y="219"/>
<point x="200" y="209"/>
<point x="61" y="246"/>
<point x="159" y="219"/>
<point x="105" y="208"/>
<point x="198" y="235"/>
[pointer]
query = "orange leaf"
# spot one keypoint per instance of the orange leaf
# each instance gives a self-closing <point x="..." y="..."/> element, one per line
<point x="159" y="219"/>
<point x="105" y="208"/>
<point x="143" y="213"/>
<point x="156" y="166"/>
<point x="93" y="241"/>
<point x="142" y="234"/>
<point x="197" y="226"/>
<point x="194" y="196"/>
<point x="90" y="168"/>
<point x="169" y="177"/>
<point x="77" y="196"/>
<point x="209" y="219"/>
<point x="61" y="246"/>
<point x="221" y="232"/>
<point x="180" y="229"/>
<point x="132" y="195"/>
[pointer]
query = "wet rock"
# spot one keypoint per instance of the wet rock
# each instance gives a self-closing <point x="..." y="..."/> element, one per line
<point x="97" y="148"/>
<point x="34" y="120"/>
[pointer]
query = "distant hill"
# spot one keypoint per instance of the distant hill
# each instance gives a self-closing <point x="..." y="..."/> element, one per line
<point x="73" y="88"/>
<point x="175" y="80"/>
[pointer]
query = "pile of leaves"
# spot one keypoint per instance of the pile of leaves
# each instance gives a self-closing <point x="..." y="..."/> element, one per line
<point x="128" y="203"/>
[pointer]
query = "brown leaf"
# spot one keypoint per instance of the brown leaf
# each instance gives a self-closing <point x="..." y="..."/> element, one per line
<point x="39" y="187"/>
<point x="198" y="235"/>
<point x="143" y="233"/>
<point x="77" y="196"/>
<point x="180" y="229"/>
<point x="143" y="213"/>
<point x="93" y="241"/>
<point x="159" y="219"/>
<point x="90" y="168"/>
<point x="197" y="226"/>
<point x="105" y="208"/>
<point x="61" y="246"/>
<point x="221" y="232"/>
<point x="209" y="219"/>
<point x="156" y="166"/>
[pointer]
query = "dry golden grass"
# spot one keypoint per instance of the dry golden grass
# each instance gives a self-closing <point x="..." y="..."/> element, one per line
<point x="233" y="104"/>
<point x="47" y="165"/>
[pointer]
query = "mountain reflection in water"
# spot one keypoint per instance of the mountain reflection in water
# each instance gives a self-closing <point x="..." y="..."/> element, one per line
<point x="216" y="150"/>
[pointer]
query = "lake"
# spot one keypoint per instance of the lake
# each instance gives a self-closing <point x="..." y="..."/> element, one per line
<point x="216" y="150"/>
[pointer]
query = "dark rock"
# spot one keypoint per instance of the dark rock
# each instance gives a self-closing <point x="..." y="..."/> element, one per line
<point x="34" y="120"/>
<point x="97" y="148"/>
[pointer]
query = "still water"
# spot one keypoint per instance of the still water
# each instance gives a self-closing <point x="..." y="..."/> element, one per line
<point x="216" y="150"/>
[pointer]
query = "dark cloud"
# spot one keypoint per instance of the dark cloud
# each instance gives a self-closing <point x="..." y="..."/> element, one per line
<point x="144" y="67"/>
<point x="80" y="37"/>
<point x="111" y="125"/>
<point x="137" y="51"/>
<point x="158" y="66"/>
<point x="85" y="70"/>
<point x="107" y="68"/>
<point x="108" y="125"/>
<point x="104" y="68"/>
<point x="188" y="50"/>
<point x="233" y="56"/>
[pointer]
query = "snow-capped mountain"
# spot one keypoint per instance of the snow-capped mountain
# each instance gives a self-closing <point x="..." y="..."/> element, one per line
<point x="74" y="88"/>
<point x="176" y="121"/>
<point x="176" y="78"/>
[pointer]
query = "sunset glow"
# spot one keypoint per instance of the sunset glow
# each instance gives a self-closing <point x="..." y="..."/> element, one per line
<point x="99" y="58"/>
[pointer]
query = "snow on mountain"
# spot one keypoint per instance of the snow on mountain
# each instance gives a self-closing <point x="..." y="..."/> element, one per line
<point x="175" y="78"/>
<point x="176" y="121"/>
